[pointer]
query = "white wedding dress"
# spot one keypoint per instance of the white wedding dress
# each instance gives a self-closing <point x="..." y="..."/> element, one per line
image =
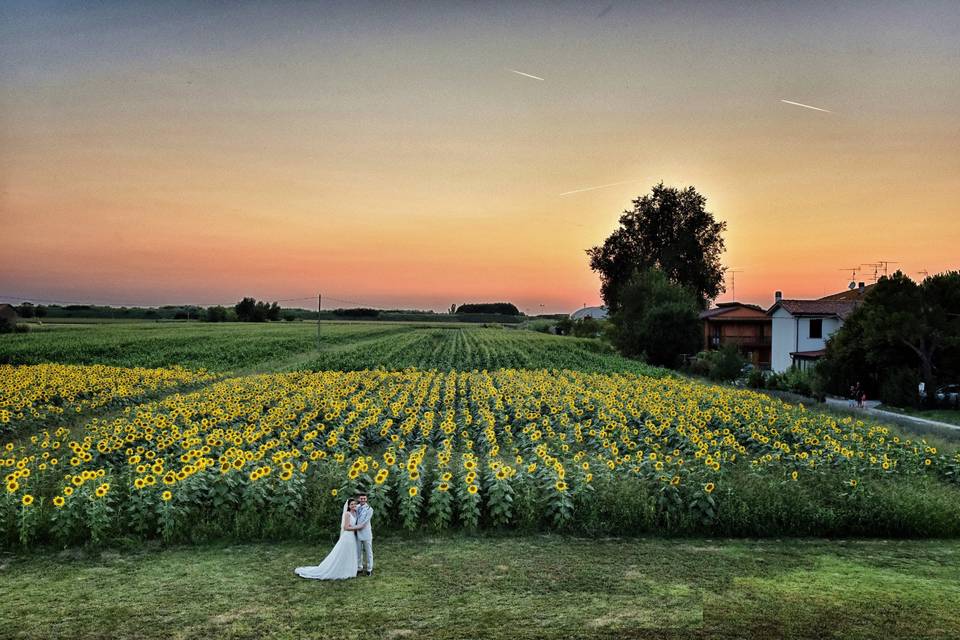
<point x="341" y="562"/>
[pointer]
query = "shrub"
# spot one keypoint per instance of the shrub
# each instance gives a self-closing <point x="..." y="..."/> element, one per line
<point x="726" y="363"/>
<point x="756" y="379"/>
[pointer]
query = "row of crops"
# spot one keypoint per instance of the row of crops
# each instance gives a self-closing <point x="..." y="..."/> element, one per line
<point x="346" y="346"/>
<point x="274" y="455"/>
<point x="467" y="348"/>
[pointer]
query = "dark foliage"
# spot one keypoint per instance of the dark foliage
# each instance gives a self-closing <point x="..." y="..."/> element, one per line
<point x="657" y="319"/>
<point x="504" y="308"/>
<point x="670" y="230"/>
<point x="902" y="334"/>
<point x="357" y="313"/>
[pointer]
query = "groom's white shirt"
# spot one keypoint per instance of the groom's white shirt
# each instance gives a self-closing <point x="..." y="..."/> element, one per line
<point x="363" y="520"/>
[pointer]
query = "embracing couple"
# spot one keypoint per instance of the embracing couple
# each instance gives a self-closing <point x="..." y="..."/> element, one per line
<point x="356" y="541"/>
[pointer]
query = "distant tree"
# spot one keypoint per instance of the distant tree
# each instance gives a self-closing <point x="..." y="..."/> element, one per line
<point x="274" y="312"/>
<point x="657" y="319"/>
<point x="261" y="311"/>
<point x="564" y="327"/>
<point x="26" y="310"/>
<point x="357" y="312"/>
<point x="453" y="309"/>
<point x="503" y="308"/>
<point x="667" y="229"/>
<point x="246" y="309"/>
<point x="41" y="311"/>
<point x="289" y="317"/>
<point x="216" y="314"/>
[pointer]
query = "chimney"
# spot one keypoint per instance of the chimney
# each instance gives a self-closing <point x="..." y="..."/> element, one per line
<point x="778" y="296"/>
<point x="860" y="288"/>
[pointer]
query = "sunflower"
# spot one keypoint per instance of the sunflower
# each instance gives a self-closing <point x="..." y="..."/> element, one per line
<point x="166" y="496"/>
<point x="472" y="489"/>
<point x="709" y="487"/>
<point x="59" y="501"/>
<point x="27" y="500"/>
<point x="412" y="491"/>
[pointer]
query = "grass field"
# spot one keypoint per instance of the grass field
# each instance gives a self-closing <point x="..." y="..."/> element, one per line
<point x="538" y="587"/>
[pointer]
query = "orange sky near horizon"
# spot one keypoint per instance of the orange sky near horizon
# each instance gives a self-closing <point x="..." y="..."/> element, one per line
<point x="389" y="158"/>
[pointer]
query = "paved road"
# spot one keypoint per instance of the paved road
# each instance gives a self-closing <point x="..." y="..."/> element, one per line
<point x="871" y="409"/>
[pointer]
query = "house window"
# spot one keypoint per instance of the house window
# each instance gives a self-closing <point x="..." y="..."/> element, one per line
<point x="816" y="328"/>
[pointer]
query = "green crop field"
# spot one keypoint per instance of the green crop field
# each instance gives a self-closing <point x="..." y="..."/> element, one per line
<point x="466" y="347"/>
<point x="345" y="346"/>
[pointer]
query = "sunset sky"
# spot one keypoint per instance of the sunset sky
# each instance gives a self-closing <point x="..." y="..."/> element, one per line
<point x="386" y="154"/>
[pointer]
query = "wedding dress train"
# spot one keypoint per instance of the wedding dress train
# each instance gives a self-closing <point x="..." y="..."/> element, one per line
<point x="341" y="562"/>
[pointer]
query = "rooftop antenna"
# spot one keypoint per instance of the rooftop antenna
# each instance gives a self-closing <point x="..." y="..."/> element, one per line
<point x="733" y="282"/>
<point x="885" y="264"/>
<point x="876" y="266"/>
<point x="853" y="276"/>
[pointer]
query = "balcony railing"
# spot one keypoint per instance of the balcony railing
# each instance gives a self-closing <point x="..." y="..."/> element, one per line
<point x="743" y="341"/>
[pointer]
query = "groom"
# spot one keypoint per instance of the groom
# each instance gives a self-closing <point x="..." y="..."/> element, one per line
<point x="364" y="534"/>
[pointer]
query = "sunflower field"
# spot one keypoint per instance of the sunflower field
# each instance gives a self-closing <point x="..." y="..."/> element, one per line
<point x="273" y="455"/>
<point x="51" y="392"/>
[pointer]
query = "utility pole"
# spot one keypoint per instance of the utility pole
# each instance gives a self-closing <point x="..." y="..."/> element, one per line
<point x="319" y="299"/>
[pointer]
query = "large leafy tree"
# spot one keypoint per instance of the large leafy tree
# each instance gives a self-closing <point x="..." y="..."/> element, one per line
<point x="657" y="319"/>
<point x="903" y="332"/>
<point x="668" y="229"/>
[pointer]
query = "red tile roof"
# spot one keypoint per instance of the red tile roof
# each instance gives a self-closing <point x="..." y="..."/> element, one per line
<point x="838" y="308"/>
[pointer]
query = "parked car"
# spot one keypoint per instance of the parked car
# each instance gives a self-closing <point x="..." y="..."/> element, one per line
<point x="948" y="394"/>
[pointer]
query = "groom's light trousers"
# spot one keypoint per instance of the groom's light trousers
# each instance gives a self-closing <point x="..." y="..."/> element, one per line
<point x="365" y="546"/>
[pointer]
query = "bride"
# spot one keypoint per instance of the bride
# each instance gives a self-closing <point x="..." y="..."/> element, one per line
<point x="341" y="562"/>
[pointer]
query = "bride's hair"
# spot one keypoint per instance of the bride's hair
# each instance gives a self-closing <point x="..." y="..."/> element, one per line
<point x="351" y="501"/>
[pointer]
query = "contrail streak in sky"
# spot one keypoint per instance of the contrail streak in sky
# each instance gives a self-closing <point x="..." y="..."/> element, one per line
<point x="602" y="186"/>
<point x="805" y="106"/>
<point x="521" y="73"/>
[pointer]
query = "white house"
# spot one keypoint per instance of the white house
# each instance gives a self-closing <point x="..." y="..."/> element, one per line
<point x="801" y="327"/>
<point x="597" y="313"/>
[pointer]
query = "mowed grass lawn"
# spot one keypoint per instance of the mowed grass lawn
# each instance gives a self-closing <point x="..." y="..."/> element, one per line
<point x="528" y="587"/>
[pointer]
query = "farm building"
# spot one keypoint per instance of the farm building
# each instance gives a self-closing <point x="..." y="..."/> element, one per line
<point x="746" y="326"/>
<point x="597" y="313"/>
<point x="801" y="327"/>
